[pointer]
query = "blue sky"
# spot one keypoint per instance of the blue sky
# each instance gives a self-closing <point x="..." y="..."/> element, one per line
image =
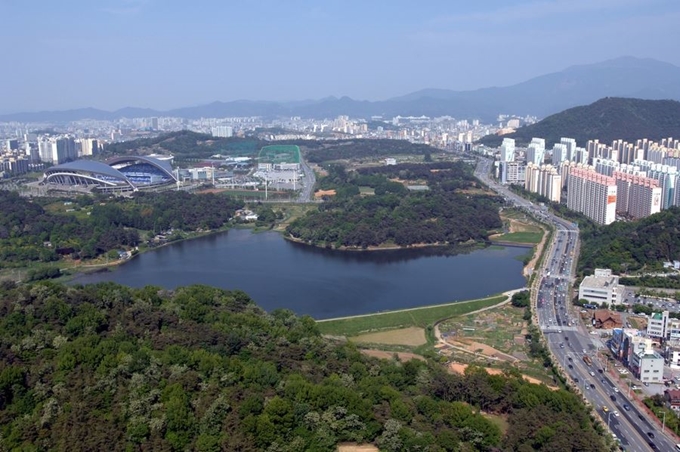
<point x="170" y="53"/>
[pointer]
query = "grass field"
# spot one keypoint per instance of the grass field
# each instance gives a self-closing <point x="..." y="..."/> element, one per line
<point x="411" y="336"/>
<point x="520" y="237"/>
<point x="279" y="154"/>
<point x="419" y="317"/>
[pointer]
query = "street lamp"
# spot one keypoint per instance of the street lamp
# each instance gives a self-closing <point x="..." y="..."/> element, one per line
<point x="663" y="424"/>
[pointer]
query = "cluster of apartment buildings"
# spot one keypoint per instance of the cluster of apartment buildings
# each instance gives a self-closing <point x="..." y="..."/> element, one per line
<point x="632" y="180"/>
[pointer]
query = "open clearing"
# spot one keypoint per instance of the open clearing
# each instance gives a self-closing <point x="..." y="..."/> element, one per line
<point x="411" y="336"/>
<point x="347" y="447"/>
<point x="459" y="368"/>
<point x="518" y="228"/>
<point x="418" y="317"/>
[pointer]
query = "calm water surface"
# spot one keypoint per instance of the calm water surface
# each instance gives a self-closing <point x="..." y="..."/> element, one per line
<point x="318" y="282"/>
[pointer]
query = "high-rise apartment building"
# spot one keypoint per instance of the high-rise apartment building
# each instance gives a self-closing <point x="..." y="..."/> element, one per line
<point x="559" y="153"/>
<point x="222" y="131"/>
<point x="536" y="151"/>
<point x="637" y="196"/>
<point x="570" y="143"/>
<point x="508" y="150"/>
<point x="544" y="180"/>
<point x="592" y="194"/>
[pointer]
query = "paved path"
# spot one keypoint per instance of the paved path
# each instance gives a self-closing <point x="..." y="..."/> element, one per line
<point x="428" y="307"/>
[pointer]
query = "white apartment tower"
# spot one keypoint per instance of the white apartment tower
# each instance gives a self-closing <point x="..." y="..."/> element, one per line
<point x="559" y="153"/>
<point x="570" y="143"/>
<point x="536" y="151"/>
<point x="508" y="150"/>
<point x="637" y="196"/>
<point x="592" y="194"/>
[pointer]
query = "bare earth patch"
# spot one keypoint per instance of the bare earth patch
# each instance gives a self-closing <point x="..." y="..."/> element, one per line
<point x="459" y="368"/>
<point x="405" y="336"/>
<point x="388" y="355"/>
<point x="357" y="448"/>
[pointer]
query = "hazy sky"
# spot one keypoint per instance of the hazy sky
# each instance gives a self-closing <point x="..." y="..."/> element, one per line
<point x="171" y="53"/>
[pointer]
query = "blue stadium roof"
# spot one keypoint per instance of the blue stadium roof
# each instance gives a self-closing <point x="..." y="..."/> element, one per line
<point x="160" y="164"/>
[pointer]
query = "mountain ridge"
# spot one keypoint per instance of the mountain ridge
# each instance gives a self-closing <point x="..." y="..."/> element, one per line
<point x="540" y="96"/>
<point x="607" y="119"/>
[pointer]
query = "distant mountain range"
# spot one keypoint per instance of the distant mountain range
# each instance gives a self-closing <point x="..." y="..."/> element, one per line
<point x="607" y="119"/>
<point x="540" y="96"/>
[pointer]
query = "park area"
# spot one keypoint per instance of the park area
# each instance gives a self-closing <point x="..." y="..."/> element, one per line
<point x="416" y="317"/>
<point x="518" y="228"/>
<point x="279" y="154"/>
<point x="495" y="337"/>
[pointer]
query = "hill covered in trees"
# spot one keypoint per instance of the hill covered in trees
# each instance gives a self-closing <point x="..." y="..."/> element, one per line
<point x="621" y="246"/>
<point x="393" y="214"/>
<point x="320" y="151"/>
<point x="608" y="119"/>
<point x="107" y="367"/>
<point x="186" y="145"/>
<point x="30" y="233"/>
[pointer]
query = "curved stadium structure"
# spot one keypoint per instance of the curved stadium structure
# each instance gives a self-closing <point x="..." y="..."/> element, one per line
<point x="129" y="173"/>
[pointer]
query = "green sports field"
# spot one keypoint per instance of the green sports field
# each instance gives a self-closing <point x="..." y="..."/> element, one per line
<point x="279" y="154"/>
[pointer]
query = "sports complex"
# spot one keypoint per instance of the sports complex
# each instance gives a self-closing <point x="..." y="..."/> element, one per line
<point x="119" y="174"/>
<point x="278" y="154"/>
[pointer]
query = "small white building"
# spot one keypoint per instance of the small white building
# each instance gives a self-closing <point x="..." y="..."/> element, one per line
<point x="657" y="326"/>
<point x="647" y="365"/>
<point x="673" y="357"/>
<point x="602" y="287"/>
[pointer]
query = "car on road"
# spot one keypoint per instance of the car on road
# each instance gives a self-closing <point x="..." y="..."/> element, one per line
<point x="613" y="398"/>
<point x="652" y="446"/>
<point x="626" y="407"/>
<point x="605" y="409"/>
<point x="650" y="434"/>
<point x="616" y="413"/>
<point x="592" y="386"/>
<point x="616" y="389"/>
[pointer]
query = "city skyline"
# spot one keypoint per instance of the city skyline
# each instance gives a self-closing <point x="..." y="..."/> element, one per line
<point x="162" y="55"/>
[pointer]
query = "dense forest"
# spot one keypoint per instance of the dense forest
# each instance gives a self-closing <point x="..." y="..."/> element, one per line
<point x="107" y="367"/>
<point x="393" y="214"/>
<point x="608" y="119"/>
<point x="186" y="145"/>
<point x="318" y="152"/>
<point x="29" y="233"/>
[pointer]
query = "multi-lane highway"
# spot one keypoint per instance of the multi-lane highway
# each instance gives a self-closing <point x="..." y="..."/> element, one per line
<point x="568" y="339"/>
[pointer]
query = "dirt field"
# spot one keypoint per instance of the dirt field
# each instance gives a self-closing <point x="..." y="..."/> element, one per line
<point x="388" y="355"/>
<point x="405" y="336"/>
<point x="478" y="347"/>
<point x="460" y="368"/>
<point x="357" y="448"/>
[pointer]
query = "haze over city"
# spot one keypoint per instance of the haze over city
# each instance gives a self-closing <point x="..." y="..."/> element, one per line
<point x="162" y="55"/>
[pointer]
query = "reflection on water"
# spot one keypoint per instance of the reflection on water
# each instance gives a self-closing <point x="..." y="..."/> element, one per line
<point x="320" y="282"/>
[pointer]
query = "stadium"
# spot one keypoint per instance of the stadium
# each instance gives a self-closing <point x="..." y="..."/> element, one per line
<point x="120" y="174"/>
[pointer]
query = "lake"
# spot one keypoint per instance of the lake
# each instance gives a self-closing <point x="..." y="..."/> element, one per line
<point x="322" y="283"/>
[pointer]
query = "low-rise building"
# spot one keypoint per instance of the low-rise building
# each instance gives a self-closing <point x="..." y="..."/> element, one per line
<point x="657" y="326"/>
<point x="647" y="365"/>
<point x="606" y="319"/>
<point x="602" y="287"/>
<point x="673" y="357"/>
<point x="672" y="397"/>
